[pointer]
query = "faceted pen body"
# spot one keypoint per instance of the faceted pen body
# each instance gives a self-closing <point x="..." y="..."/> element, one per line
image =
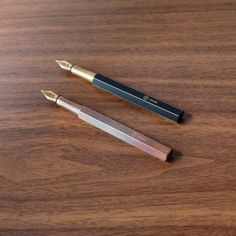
<point x="112" y="127"/>
<point x="137" y="98"/>
<point x="124" y="133"/>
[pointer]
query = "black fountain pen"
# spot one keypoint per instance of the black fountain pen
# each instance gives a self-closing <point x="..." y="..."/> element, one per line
<point x="125" y="92"/>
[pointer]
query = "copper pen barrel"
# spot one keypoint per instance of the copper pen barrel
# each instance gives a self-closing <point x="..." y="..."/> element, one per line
<point x="124" y="133"/>
<point x="116" y="129"/>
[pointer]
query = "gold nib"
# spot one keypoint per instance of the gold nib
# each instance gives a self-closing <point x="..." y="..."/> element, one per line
<point x="64" y="65"/>
<point x="49" y="95"/>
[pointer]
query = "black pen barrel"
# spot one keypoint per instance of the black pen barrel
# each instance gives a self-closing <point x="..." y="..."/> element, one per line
<point x="125" y="92"/>
<point x="138" y="98"/>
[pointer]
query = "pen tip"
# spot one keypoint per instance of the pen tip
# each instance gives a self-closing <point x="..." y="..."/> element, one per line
<point x="49" y="95"/>
<point x="64" y="64"/>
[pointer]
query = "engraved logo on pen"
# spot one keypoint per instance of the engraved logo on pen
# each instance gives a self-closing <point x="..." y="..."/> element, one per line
<point x="147" y="98"/>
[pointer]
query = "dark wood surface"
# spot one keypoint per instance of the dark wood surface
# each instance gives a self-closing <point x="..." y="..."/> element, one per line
<point x="60" y="176"/>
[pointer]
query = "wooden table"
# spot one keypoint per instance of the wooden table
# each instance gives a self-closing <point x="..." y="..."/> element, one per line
<point x="60" y="176"/>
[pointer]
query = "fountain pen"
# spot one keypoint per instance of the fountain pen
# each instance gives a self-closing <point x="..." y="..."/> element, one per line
<point x="125" y="92"/>
<point x="112" y="127"/>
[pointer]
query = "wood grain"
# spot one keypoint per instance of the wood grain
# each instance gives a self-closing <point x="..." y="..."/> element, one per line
<point x="60" y="176"/>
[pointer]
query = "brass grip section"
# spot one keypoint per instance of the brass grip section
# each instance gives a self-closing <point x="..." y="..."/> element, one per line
<point x="83" y="73"/>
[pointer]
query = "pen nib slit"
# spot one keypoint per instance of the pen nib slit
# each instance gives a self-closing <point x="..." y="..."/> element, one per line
<point x="49" y="95"/>
<point x="64" y="64"/>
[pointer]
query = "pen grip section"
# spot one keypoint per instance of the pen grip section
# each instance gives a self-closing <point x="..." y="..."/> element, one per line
<point x="137" y="97"/>
<point x="124" y="133"/>
<point x="68" y="105"/>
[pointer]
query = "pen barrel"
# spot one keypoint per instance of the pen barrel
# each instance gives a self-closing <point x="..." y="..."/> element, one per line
<point x="138" y="98"/>
<point x="124" y="133"/>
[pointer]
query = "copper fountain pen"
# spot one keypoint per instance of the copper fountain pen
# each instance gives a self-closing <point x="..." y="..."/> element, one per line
<point x="125" y="92"/>
<point x="112" y="127"/>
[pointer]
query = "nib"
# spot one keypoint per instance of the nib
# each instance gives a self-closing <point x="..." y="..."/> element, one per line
<point x="64" y="65"/>
<point x="49" y="95"/>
